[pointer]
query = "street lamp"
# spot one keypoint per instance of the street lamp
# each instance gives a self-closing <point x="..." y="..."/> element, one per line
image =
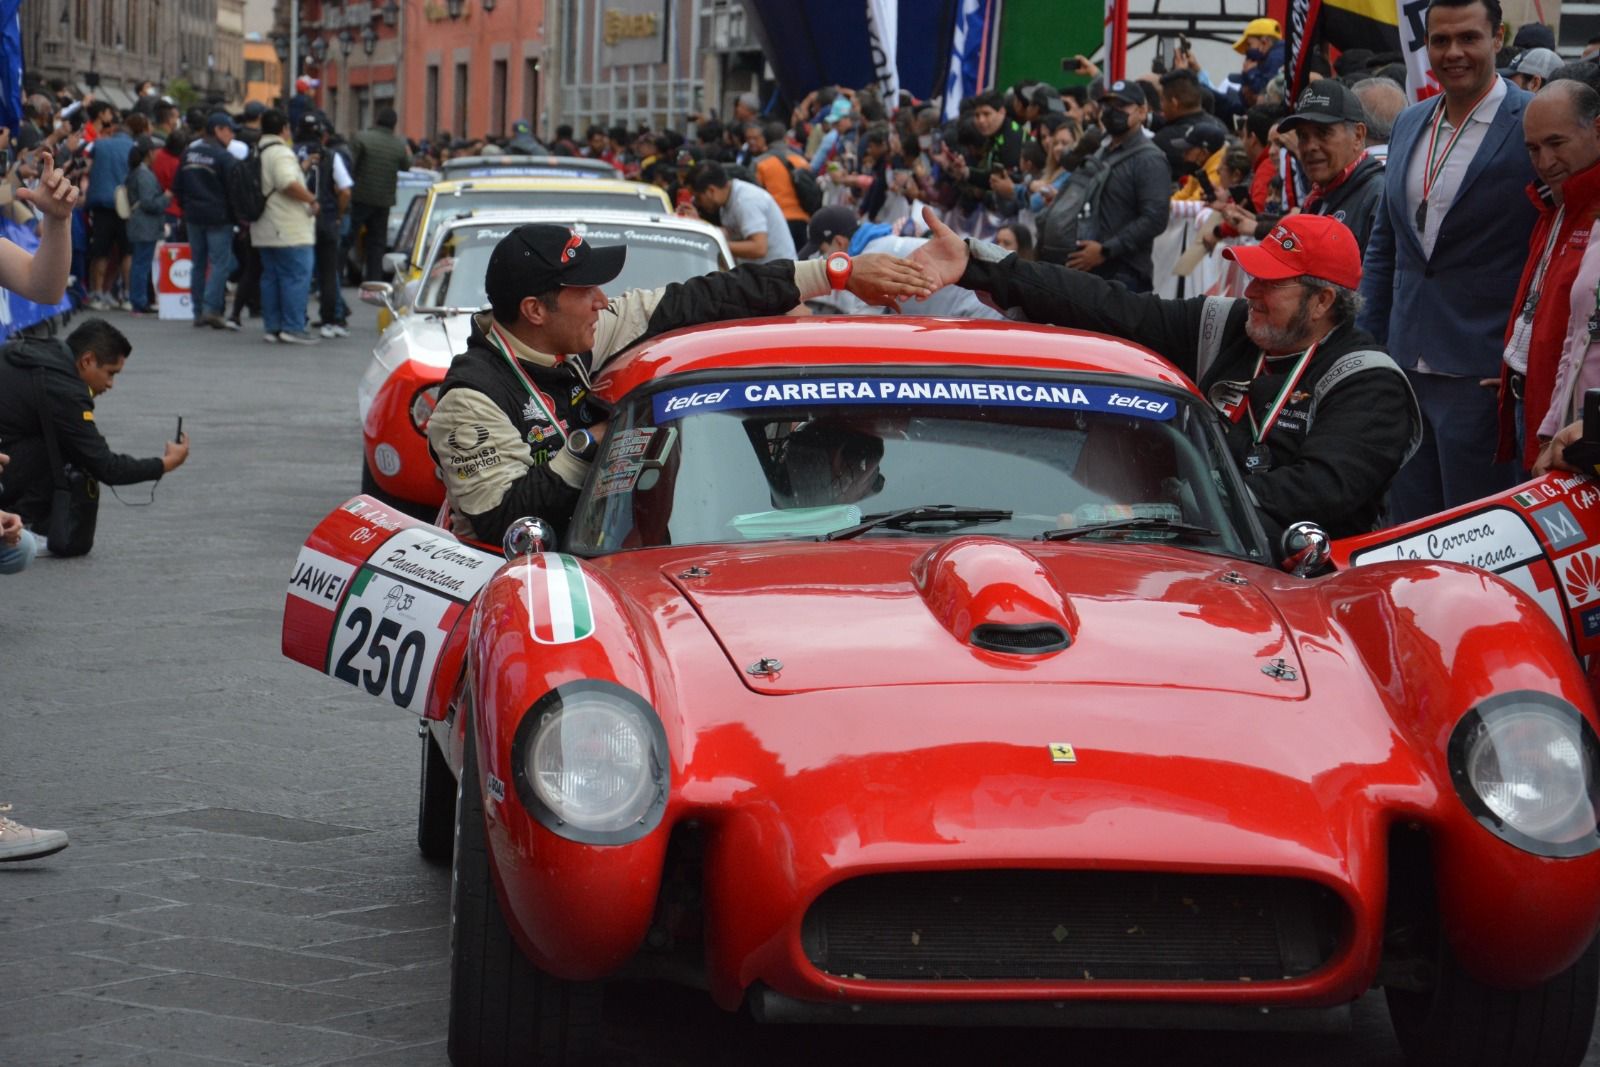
<point x="454" y="7"/>
<point x="346" y="43"/>
<point x="391" y="13"/>
<point x="369" y="40"/>
<point x="319" y="48"/>
<point x="280" y="45"/>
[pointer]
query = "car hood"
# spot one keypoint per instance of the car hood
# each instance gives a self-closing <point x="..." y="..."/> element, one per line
<point x="434" y="339"/>
<point x="983" y="610"/>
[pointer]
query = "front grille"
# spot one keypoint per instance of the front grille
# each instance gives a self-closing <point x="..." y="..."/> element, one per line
<point x="1072" y="926"/>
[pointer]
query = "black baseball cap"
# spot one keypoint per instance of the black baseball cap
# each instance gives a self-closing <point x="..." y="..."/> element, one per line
<point x="1201" y="135"/>
<point x="835" y="220"/>
<point x="537" y="257"/>
<point x="1125" y="90"/>
<point x="1325" y="102"/>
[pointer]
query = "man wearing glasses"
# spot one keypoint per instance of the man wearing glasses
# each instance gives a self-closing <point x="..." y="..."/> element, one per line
<point x="1317" y="416"/>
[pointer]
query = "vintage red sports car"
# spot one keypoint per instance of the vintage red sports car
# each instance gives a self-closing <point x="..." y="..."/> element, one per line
<point x="919" y="671"/>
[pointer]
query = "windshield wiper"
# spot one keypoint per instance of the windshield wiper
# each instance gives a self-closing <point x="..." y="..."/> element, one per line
<point x="922" y="513"/>
<point x="1152" y="524"/>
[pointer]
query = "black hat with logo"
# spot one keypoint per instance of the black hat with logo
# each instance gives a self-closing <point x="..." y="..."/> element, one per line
<point x="1325" y="102"/>
<point x="537" y="257"/>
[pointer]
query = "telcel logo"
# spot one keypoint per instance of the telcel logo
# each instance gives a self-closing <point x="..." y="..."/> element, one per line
<point x="695" y="400"/>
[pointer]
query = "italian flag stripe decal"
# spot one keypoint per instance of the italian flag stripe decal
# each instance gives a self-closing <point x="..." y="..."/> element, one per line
<point x="567" y="616"/>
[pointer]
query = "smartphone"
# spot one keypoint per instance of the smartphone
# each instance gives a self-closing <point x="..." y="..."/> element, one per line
<point x="6" y="159"/>
<point x="1239" y="194"/>
<point x="1158" y="65"/>
<point x="1208" y="190"/>
<point x="177" y="435"/>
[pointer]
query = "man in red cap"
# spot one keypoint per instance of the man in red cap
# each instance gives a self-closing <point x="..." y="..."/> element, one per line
<point x="1317" y="416"/>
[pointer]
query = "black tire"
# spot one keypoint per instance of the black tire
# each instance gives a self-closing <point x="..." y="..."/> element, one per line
<point x="503" y="1009"/>
<point x="436" y="805"/>
<point x="1463" y="1023"/>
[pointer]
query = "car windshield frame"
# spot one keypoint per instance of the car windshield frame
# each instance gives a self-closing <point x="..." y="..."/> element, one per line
<point x="1228" y="503"/>
<point x="665" y="226"/>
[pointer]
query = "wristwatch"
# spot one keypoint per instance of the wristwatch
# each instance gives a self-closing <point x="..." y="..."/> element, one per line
<point x="582" y="445"/>
<point x="838" y="267"/>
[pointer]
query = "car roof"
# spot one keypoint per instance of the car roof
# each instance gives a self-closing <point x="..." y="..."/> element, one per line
<point x="884" y="341"/>
<point x="542" y="161"/>
<point x="591" y="217"/>
<point x="615" y="186"/>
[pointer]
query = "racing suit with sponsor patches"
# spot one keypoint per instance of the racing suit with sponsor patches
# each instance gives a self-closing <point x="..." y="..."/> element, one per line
<point x="1336" y="446"/>
<point x="501" y="448"/>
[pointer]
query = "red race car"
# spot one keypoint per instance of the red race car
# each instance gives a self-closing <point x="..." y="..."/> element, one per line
<point x="911" y="671"/>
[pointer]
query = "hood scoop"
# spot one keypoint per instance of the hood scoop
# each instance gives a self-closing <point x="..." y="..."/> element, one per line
<point x="995" y="596"/>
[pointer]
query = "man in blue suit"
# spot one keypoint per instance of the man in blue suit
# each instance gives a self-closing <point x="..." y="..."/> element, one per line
<point x="1446" y="254"/>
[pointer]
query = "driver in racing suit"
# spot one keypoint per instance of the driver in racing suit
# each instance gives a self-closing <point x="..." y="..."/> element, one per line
<point x="516" y="429"/>
<point x="1314" y="413"/>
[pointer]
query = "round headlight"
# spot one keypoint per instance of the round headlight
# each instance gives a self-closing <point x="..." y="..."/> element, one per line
<point x="422" y="404"/>
<point x="591" y="763"/>
<point x="1524" y="763"/>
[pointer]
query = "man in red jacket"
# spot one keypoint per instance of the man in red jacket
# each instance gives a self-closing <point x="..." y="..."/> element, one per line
<point x="1562" y="128"/>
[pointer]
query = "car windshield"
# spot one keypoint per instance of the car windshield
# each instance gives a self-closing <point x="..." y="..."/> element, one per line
<point x="404" y="193"/>
<point x="739" y="459"/>
<point x="477" y="201"/>
<point x="657" y="255"/>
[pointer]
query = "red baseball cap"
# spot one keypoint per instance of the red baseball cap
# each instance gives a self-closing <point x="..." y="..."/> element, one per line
<point x="1311" y="245"/>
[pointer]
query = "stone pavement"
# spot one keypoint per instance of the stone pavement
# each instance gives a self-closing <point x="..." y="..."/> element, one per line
<point x="242" y="885"/>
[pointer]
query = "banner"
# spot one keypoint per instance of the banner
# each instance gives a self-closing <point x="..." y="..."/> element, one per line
<point x="883" y="27"/>
<point x="1413" y="18"/>
<point x="1338" y="25"/>
<point x="18" y="313"/>
<point x="971" y="68"/>
<point x="1300" y="34"/>
<point x="10" y="64"/>
<point x="1114" y="58"/>
<point x="826" y="42"/>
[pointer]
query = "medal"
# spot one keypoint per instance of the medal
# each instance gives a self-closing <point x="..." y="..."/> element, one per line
<point x="1258" y="459"/>
<point x="1422" y="217"/>
<point x="1530" y="306"/>
<point x="1432" y="168"/>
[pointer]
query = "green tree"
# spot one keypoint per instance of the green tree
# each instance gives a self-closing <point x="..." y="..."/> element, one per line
<point x="183" y="94"/>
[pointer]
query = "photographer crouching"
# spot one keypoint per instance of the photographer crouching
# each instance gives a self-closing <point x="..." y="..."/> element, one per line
<point x="47" y="397"/>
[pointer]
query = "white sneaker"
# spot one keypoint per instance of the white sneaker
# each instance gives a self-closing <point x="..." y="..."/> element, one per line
<point x="328" y="331"/>
<point x="291" y="337"/>
<point x="340" y="330"/>
<point x="271" y="338"/>
<point x="18" y="842"/>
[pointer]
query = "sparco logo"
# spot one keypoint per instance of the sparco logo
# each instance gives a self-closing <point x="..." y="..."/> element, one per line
<point x="480" y="434"/>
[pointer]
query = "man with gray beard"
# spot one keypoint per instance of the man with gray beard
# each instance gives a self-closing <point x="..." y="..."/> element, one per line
<point x="1315" y="414"/>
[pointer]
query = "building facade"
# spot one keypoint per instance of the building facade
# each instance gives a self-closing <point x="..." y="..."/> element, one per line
<point x="472" y="67"/>
<point x="109" y="46"/>
<point x="353" y="51"/>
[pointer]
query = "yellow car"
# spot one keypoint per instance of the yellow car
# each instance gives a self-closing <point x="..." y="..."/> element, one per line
<point x="448" y="200"/>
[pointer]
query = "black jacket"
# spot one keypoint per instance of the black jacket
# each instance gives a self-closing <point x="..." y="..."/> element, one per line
<point x="506" y="461"/>
<point x="1333" y="457"/>
<point x="199" y="183"/>
<point x="1355" y="202"/>
<point x="28" y="480"/>
<point x="1133" y="208"/>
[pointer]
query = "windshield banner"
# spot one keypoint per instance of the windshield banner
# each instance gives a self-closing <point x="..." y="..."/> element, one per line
<point x="735" y="396"/>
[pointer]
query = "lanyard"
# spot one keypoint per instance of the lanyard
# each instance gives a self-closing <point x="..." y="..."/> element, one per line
<point x="498" y="340"/>
<point x="1530" y="300"/>
<point x="1263" y="428"/>
<point x="1432" y="168"/>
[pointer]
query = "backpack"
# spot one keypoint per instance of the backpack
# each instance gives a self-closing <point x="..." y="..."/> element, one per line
<point x="1061" y="223"/>
<point x="807" y="190"/>
<point x="242" y="182"/>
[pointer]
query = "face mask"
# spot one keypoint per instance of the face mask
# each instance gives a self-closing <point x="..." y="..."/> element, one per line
<point x="1188" y="166"/>
<point x="1255" y="55"/>
<point x="1063" y="156"/>
<point x="925" y="141"/>
<point x="1116" y="121"/>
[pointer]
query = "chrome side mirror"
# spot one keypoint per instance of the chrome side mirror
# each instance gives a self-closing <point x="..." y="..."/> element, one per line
<point x="1305" y="549"/>
<point x="378" y="294"/>
<point x="526" y="536"/>
<point x="394" y="263"/>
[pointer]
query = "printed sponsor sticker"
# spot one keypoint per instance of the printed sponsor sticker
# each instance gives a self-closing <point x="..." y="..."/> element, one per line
<point x="319" y="579"/>
<point x="388" y="637"/>
<point x="1064" y="396"/>
<point x="439" y="563"/>
<point x="1495" y="539"/>
<point x="1560" y="528"/>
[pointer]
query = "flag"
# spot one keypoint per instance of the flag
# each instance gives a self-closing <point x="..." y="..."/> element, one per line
<point x="971" y="53"/>
<point x="1412" y="17"/>
<point x="883" y="28"/>
<point x="10" y="64"/>
<point x="1339" y="24"/>
<point x="1114" y="56"/>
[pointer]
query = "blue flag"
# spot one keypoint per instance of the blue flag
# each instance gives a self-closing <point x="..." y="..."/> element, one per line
<point x="11" y="64"/>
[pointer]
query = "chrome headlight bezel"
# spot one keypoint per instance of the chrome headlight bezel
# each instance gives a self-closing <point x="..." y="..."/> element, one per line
<point x="631" y="709"/>
<point x="1478" y="726"/>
